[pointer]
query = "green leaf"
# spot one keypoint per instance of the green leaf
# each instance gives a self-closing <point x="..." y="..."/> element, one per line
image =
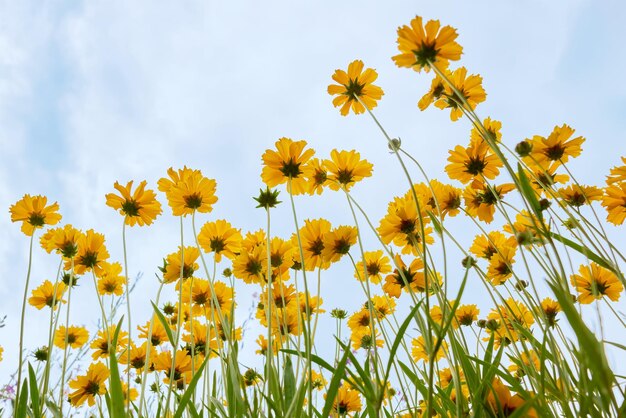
<point x="34" y="392"/>
<point x="184" y="400"/>
<point x="289" y="382"/>
<point x="333" y="388"/>
<point x="22" y="406"/>
<point x="585" y="251"/>
<point x="115" y="384"/>
<point x="165" y="324"/>
<point x="527" y="191"/>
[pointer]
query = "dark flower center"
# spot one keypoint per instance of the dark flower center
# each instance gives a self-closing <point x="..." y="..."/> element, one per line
<point x="291" y="169"/>
<point x="89" y="259"/>
<point x="254" y="267"/>
<point x="217" y="244"/>
<point x="424" y="54"/>
<point x="407" y="226"/>
<point x="475" y="166"/>
<point x="354" y="89"/>
<point x="317" y="246"/>
<point x="342" y="246"/>
<point x="92" y="388"/>
<point x="193" y="201"/>
<point x="554" y="152"/>
<point x="320" y="177"/>
<point x="373" y="269"/>
<point x="131" y="208"/>
<point x="344" y="176"/>
<point x="36" y="219"/>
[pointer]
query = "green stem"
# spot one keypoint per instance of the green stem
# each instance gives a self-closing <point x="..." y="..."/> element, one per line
<point x="21" y="346"/>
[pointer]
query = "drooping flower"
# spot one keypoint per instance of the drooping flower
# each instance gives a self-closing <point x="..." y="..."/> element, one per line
<point x="139" y="207"/>
<point x="73" y="336"/>
<point x="594" y="282"/>
<point x="422" y="45"/>
<point x="47" y="294"/>
<point x="550" y="308"/>
<point x="34" y="212"/>
<point x="221" y="238"/>
<point x="286" y="165"/>
<point x="89" y="385"/>
<point x="355" y="88"/>
<point x="345" y="168"/>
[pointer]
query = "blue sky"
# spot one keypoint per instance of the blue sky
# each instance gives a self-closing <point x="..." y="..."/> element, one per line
<point x="99" y="92"/>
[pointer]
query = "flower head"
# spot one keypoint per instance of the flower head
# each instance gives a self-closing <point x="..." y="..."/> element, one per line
<point x="188" y="191"/>
<point x="345" y="168"/>
<point x="180" y="264"/>
<point x="89" y="385"/>
<point x="355" y="88"/>
<point x="34" y="213"/>
<point x="614" y="201"/>
<point x="594" y="282"/>
<point x="47" y="294"/>
<point x="468" y="91"/>
<point x="221" y="238"/>
<point x="422" y="45"/>
<point x="286" y="165"/>
<point x="558" y="147"/>
<point x="139" y="208"/>
<point x="63" y="240"/>
<point x="73" y="336"/>
<point x="110" y="280"/>
<point x="91" y="253"/>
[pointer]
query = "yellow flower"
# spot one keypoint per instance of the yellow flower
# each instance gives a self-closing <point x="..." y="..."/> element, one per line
<point x="317" y="176"/>
<point x="437" y="89"/>
<point x="493" y="130"/>
<point x="282" y="253"/>
<point x="33" y="213"/>
<point x="528" y="360"/>
<point x="90" y="385"/>
<point x="382" y="306"/>
<point x="312" y="236"/>
<point x="262" y="343"/>
<point x="139" y="208"/>
<point x="614" y="201"/>
<point x="506" y="315"/>
<point x="594" y="282"/>
<point x="404" y="277"/>
<point x="422" y="45"/>
<point x="618" y="173"/>
<point x="501" y="403"/>
<point x="188" y="191"/>
<point x="470" y="89"/>
<point x="220" y="238"/>
<point x="159" y="334"/>
<point x="91" y="253"/>
<point x="375" y="265"/>
<point x="200" y="297"/>
<point x="420" y="350"/>
<point x="338" y="242"/>
<point x="47" y="295"/>
<point x="1" y="352"/>
<point x="101" y="343"/>
<point x="360" y="320"/>
<point x="485" y="246"/>
<point x="466" y="315"/>
<point x="526" y="228"/>
<point x="557" y="147"/>
<point x="251" y="266"/>
<point x="576" y="195"/>
<point x="75" y="337"/>
<point x="481" y="202"/>
<point x="401" y="224"/>
<point x="501" y="265"/>
<point x="446" y="199"/>
<point x="110" y="279"/>
<point x="62" y="240"/>
<point x="543" y="178"/>
<point x="355" y="88"/>
<point x="362" y="338"/>
<point x="317" y="380"/>
<point x="473" y="164"/>
<point x="136" y="357"/>
<point x="286" y="165"/>
<point x="550" y="308"/>
<point x="346" y="401"/>
<point x="183" y="257"/>
<point x="345" y="168"/>
<point x="182" y="367"/>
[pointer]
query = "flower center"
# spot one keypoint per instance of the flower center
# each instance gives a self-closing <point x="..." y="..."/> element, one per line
<point x="193" y="201"/>
<point x="131" y="208"/>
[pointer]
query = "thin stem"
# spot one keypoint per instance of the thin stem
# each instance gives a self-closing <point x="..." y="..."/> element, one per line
<point x="21" y="347"/>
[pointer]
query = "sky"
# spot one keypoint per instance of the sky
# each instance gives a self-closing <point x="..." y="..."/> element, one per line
<point x="96" y="92"/>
